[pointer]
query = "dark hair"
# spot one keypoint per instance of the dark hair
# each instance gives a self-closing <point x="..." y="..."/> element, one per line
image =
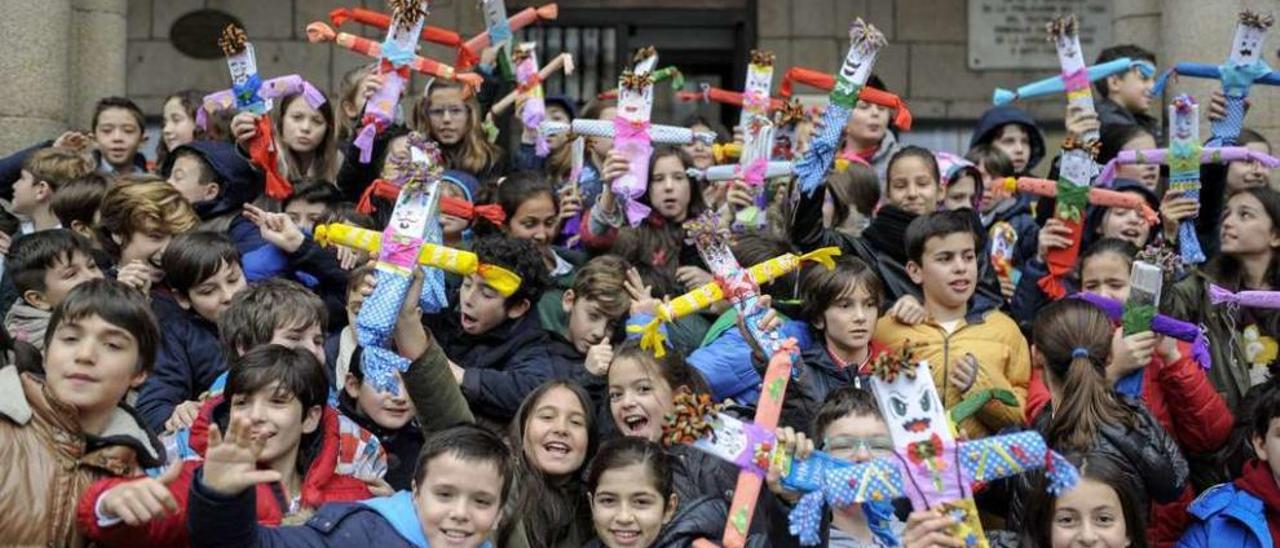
<point x="1132" y="51"/>
<point x="603" y="280"/>
<point x="671" y="367"/>
<point x="1042" y="505"/>
<point x="1224" y="269"/>
<point x="256" y="313"/>
<point x="190" y="101"/>
<point x="314" y="191"/>
<point x="919" y="152"/>
<point x="1252" y="410"/>
<point x="658" y="243"/>
<point x="346" y="213"/>
<point x="550" y="507"/>
<point x="324" y="161"/>
<point x="1114" y="137"/>
<point x="627" y="451"/>
<point x="696" y="205"/>
<point x="79" y="200"/>
<point x="755" y="248"/>
<point x="820" y="287"/>
<point x="118" y="305"/>
<point x="1074" y="336"/>
<point x="1251" y="136"/>
<point x="471" y="443"/>
<point x="33" y="254"/>
<point x="207" y="174"/>
<point x="1266" y="409"/>
<point x="696" y="119"/>
<point x="299" y="372"/>
<point x="842" y="402"/>
<point x="939" y="224"/>
<point x="118" y="102"/>
<point x="519" y="256"/>
<point x="991" y="159"/>
<point x="1123" y="248"/>
<point x="857" y="187"/>
<point x="517" y="189"/>
<point x="193" y="257"/>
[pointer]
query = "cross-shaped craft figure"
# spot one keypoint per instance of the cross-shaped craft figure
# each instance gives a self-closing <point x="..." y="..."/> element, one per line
<point x="249" y="93"/>
<point x="1056" y="84"/>
<point x="633" y="136"/>
<point x="928" y="466"/>
<point x="396" y="59"/>
<point x="533" y="107"/>
<point x="1184" y="157"/>
<point x="1244" y="68"/>
<point x="757" y="138"/>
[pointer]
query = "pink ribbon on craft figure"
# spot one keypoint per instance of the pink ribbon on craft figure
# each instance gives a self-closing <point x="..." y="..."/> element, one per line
<point x="401" y="252"/>
<point x="1209" y="155"/>
<point x="1251" y="299"/>
<point x="754" y="174"/>
<point x="631" y="139"/>
<point x="1077" y="79"/>
<point x="376" y="118"/>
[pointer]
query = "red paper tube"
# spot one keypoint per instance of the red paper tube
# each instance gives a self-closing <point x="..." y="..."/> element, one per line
<point x="435" y="35"/>
<point x="526" y="17"/>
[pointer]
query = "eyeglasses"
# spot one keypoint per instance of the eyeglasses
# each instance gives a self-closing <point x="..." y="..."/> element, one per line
<point x="876" y="446"/>
<point x="450" y="112"/>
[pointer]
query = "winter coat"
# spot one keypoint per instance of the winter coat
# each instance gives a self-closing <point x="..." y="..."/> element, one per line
<point x="189" y="360"/>
<point x="696" y="474"/>
<point x="569" y="365"/>
<point x="402" y="445"/>
<point x="700" y="518"/>
<point x="1189" y="300"/>
<point x="49" y="462"/>
<point x="27" y="323"/>
<point x="726" y="361"/>
<point x="502" y="366"/>
<point x="436" y="396"/>
<point x="826" y="377"/>
<point x="1110" y="113"/>
<point x="549" y="308"/>
<point x="879" y="159"/>
<point x="997" y="117"/>
<point x="1227" y="515"/>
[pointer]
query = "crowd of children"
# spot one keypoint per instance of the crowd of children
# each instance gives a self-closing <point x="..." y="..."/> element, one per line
<point x="182" y="363"/>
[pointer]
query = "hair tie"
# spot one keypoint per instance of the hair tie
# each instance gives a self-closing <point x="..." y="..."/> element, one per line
<point x="1080" y="352"/>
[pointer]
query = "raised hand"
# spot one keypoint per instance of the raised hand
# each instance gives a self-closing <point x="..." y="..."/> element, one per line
<point x="242" y="127"/>
<point x="798" y="447"/>
<point x="642" y="301"/>
<point x="231" y="463"/>
<point x="142" y="500"/>
<point x="276" y="228"/>
<point x="183" y="416"/>
<point x="138" y="275"/>
<point x="1055" y="235"/>
<point x="599" y="356"/>
<point x="963" y="372"/>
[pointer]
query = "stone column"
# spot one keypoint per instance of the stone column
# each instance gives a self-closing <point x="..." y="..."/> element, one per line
<point x="1198" y="31"/>
<point x="35" y="60"/>
<point x="99" y="41"/>
<point x="1137" y="22"/>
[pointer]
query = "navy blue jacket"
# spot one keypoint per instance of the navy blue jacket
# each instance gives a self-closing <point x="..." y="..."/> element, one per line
<point x="189" y="360"/>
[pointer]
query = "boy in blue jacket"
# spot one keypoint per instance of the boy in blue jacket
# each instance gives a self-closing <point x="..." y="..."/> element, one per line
<point x="1245" y="512"/>
<point x="462" y="481"/>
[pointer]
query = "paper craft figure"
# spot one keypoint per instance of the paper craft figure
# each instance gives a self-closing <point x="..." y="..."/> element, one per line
<point x="928" y="466"/>
<point x="499" y="28"/>
<point x="562" y="62"/>
<point x="434" y="35"/>
<point x="529" y="86"/>
<point x="827" y="82"/>
<point x="633" y="135"/>
<point x="737" y="285"/>
<point x="1077" y="166"/>
<point x="1056" y="84"/>
<point x="396" y="58"/>
<point x="720" y="173"/>
<point x="670" y="74"/>
<point x="249" y="93"/>
<point x="1247" y="299"/>
<point x="1100" y="197"/>
<point x="703" y="297"/>
<point x="577" y="159"/>
<point x="1164" y="325"/>
<point x="1244" y="68"/>
<point x="757" y="138"/>
<point x="866" y="42"/>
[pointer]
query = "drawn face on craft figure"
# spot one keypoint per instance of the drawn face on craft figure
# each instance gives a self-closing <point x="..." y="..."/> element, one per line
<point x="1184" y="113"/>
<point x="406" y="36"/>
<point x="911" y="407"/>
<point x="636" y="105"/>
<point x="1246" y="46"/>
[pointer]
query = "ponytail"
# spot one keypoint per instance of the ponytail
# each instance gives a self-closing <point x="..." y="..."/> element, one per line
<point x="1074" y="337"/>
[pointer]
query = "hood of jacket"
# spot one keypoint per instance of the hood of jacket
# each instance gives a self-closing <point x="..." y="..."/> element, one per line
<point x="27" y="323"/>
<point x="994" y="118"/>
<point x="239" y="184"/>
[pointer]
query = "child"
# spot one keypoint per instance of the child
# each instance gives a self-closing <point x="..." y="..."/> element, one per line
<point x="1014" y="133"/>
<point x="596" y="309"/>
<point x="306" y="137"/>
<point x="43" y="173"/>
<point x="558" y="109"/>
<point x="218" y="182"/>
<point x="458" y="211"/>
<point x="960" y="180"/>
<point x="1115" y="139"/>
<point x="452" y="119"/>
<point x="61" y="431"/>
<point x="868" y="133"/>
<point x="136" y="222"/>
<point x="45" y="267"/>
<point x="968" y="351"/>
<point x="851" y="198"/>
<point x="699" y="151"/>
<point x="387" y="415"/>
<point x="1124" y="99"/>
<point x="841" y="306"/>
<point x="340" y="348"/>
<point x="179" y="114"/>
<point x="1245" y="512"/>
<point x="119" y="129"/>
<point x="1073" y="345"/>
<point x="76" y="204"/>
<point x="310" y="201"/>
<point x="202" y="271"/>
<point x="497" y="349"/>
<point x="276" y="393"/>
<point x="1103" y="509"/>
<point x="1008" y="220"/>
<point x="459" y="491"/>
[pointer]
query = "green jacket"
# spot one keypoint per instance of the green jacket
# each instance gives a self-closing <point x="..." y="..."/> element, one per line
<point x="1189" y="301"/>
<point x="435" y="393"/>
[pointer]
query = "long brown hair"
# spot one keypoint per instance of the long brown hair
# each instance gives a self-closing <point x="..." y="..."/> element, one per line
<point x="1074" y="336"/>
<point x="1225" y="269"/>
<point x="474" y="154"/>
<point x="658" y="242"/>
<point x="324" y="164"/>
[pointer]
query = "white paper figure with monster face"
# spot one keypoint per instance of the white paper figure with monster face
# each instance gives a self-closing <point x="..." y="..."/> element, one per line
<point x="912" y="408"/>
<point x="1250" y="38"/>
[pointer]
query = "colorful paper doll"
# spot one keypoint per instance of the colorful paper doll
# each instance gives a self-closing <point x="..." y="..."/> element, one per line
<point x="249" y="93"/>
<point x="562" y="62"/>
<point x="757" y="139"/>
<point x="1100" y="197"/>
<point x="499" y="28"/>
<point x="1244" y="68"/>
<point x="1056" y="84"/>
<point x="827" y="82"/>
<point x="396" y="58"/>
<point x="434" y="35"/>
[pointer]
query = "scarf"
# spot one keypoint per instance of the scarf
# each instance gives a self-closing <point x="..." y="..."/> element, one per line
<point x="1256" y="479"/>
<point x="888" y="230"/>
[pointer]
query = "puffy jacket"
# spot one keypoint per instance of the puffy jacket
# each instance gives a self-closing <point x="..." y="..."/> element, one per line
<point x="48" y="461"/>
<point x="502" y="366"/>
<point x="1227" y="516"/>
<point x="27" y="323"/>
<point x="1189" y="301"/>
<point x="190" y="359"/>
<point x="997" y="117"/>
<point x="696" y="474"/>
<point x="322" y="483"/>
<point x="1004" y="363"/>
<point x="726" y="361"/>
<point x="825" y="376"/>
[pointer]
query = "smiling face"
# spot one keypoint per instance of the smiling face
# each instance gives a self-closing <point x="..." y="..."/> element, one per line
<point x="1089" y="515"/>
<point x="627" y="509"/>
<point x="536" y="219"/>
<point x="276" y="415"/>
<point x="670" y="189"/>
<point x="949" y="273"/>
<point x="1125" y="224"/>
<point x="458" y="501"/>
<point x="1248" y="173"/>
<point x="555" y="433"/>
<point x="179" y="127"/>
<point x="90" y="364"/>
<point x="147" y="246"/>
<point x="639" y="399"/>
<point x="309" y="338"/>
<point x="912" y="186"/>
<point x="118" y="136"/>
<point x="390" y="410"/>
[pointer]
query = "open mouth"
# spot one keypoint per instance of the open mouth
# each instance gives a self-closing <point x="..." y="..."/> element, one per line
<point x="456" y="535"/>
<point x="917" y="425"/>
<point x="557" y="448"/>
<point x="468" y="321"/>
<point x="625" y="536"/>
<point x="1130" y="234"/>
<point x="1246" y="52"/>
<point x="635" y="424"/>
<point x="959" y="286"/>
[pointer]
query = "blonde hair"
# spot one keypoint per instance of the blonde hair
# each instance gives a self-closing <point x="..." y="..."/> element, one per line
<point x="58" y="166"/>
<point x="347" y="98"/>
<point x="132" y="207"/>
<point x="474" y="154"/>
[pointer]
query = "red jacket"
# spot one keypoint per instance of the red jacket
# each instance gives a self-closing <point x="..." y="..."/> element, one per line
<point x="1181" y="397"/>
<point x="320" y="485"/>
